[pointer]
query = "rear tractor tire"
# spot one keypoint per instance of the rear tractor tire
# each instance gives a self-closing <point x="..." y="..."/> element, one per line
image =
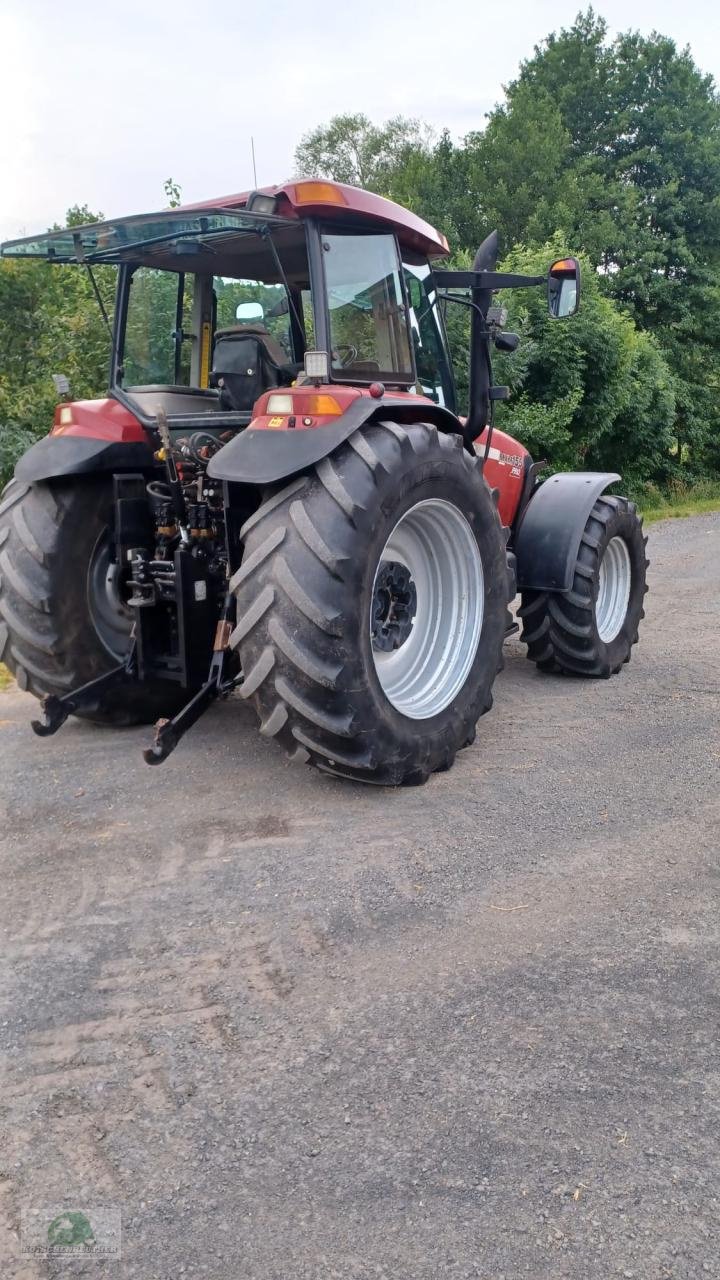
<point x="371" y="606"/>
<point x="590" y="630"/>
<point x="62" y="619"/>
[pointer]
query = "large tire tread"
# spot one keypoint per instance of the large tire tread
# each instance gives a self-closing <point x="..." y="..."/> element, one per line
<point x="302" y="550"/>
<point x="559" y="628"/>
<point x="47" y="639"/>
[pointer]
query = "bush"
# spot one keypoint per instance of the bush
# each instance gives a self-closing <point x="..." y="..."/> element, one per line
<point x="591" y="392"/>
<point x="14" y="440"/>
<point x="49" y="323"/>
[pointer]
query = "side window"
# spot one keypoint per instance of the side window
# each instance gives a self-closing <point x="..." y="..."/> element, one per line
<point x="431" y="362"/>
<point x="154" y="353"/>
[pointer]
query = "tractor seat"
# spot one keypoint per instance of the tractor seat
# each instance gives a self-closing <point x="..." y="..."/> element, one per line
<point x="248" y="360"/>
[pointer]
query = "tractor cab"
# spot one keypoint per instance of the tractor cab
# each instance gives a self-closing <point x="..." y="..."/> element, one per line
<point x="218" y="303"/>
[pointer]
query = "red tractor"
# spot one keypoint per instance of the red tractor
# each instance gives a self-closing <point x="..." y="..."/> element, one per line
<point x="278" y="496"/>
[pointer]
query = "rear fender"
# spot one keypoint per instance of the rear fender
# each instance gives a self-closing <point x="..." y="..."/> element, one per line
<point x="58" y="456"/>
<point x="260" y="457"/>
<point x="88" y="436"/>
<point x="548" y="539"/>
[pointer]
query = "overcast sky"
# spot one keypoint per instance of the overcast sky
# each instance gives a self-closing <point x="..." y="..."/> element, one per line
<point x="99" y="103"/>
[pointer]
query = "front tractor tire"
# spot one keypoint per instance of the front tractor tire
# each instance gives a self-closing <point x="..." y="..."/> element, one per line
<point x="590" y="630"/>
<point x="62" y="619"/>
<point x="372" y="605"/>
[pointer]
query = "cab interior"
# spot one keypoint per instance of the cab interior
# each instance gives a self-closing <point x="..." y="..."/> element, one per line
<point x="210" y="327"/>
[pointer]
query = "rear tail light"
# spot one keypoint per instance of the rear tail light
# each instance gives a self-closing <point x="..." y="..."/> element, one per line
<point x="280" y="403"/>
<point x="321" y="405"/>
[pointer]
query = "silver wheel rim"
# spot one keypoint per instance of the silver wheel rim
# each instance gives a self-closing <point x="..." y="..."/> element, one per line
<point x="111" y="616"/>
<point x="613" y="597"/>
<point x="434" y="541"/>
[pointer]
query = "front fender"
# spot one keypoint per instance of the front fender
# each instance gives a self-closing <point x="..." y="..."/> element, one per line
<point x="548" y="539"/>
<point x="58" y="456"/>
<point x="260" y="456"/>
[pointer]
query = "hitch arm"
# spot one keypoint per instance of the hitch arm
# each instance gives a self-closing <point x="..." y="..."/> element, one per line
<point x="169" y="732"/>
<point x="55" y="711"/>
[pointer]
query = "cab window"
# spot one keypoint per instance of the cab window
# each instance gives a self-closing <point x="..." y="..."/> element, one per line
<point x="368" y="323"/>
<point x="159" y="312"/>
<point x="434" y="378"/>
<point x="252" y="303"/>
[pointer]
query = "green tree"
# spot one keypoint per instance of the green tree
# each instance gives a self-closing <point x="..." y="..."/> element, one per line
<point x="50" y="323"/>
<point x="590" y="392"/>
<point x="643" y="130"/>
<point x="521" y="177"/>
<point x="351" y="149"/>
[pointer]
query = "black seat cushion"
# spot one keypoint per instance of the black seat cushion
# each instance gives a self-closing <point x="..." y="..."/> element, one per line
<point x="247" y="362"/>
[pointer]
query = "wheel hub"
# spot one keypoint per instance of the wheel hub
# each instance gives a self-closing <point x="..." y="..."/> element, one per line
<point x="111" y="615"/>
<point x="613" y="591"/>
<point x="394" y="606"/>
<point x="427" y="607"/>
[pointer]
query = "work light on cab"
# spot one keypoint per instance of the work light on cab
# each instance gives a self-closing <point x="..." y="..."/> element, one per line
<point x="317" y="366"/>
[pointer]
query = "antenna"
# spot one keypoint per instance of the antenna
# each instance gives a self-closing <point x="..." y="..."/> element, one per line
<point x="252" y="148"/>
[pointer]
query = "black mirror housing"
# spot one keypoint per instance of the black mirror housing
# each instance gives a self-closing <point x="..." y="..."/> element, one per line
<point x="563" y="284"/>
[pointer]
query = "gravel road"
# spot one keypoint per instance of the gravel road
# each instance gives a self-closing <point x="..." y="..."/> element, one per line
<point x="294" y="1029"/>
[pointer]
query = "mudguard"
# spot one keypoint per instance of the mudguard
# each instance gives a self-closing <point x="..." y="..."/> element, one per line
<point x="548" y="539"/>
<point x="261" y="456"/>
<point x="58" y="456"/>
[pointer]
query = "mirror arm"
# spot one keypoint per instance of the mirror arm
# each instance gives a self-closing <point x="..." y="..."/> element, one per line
<point x="485" y="280"/>
<point x="485" y="334"/>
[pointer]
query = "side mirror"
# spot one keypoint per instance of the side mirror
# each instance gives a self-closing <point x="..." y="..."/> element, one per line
<point x="564" y="288"/>
<point x="249" y="311"/>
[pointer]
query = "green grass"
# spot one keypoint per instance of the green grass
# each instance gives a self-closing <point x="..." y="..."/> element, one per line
<point x="697" y="508"/>
<point x="5" y="677"/>
<point x="678" y="501"/>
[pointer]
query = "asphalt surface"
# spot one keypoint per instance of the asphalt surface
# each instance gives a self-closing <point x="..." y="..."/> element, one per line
<point x="291" y="1028"/>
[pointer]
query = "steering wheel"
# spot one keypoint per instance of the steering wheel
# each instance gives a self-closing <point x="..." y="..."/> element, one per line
<point x="351" y="354"/>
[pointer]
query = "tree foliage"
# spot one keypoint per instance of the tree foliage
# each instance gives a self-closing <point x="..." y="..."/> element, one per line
<point x="592" y="392"/>
<point x="610" y="148"/>
<point x="351" y="149"/>
<point x="643" y="156"/>
<point x="50" y="323"/>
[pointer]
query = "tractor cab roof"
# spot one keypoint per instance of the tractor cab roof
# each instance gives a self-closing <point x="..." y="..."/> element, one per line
<point x="177" y="239"/>
<point x="336" y="201"/>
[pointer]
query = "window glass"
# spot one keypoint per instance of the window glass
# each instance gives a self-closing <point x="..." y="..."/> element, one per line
<point x="152" y="354"/>
<point x="270" y="313"/>
<point x="434" y="379"/>
<point x="308" y="318"/>
<point x="368" y="324"/>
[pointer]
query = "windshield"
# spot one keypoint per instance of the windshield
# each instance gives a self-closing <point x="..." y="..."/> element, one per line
<point x="252" y="304"/>
<point x="368" y="323"/>
<point x="173" y="321"/>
